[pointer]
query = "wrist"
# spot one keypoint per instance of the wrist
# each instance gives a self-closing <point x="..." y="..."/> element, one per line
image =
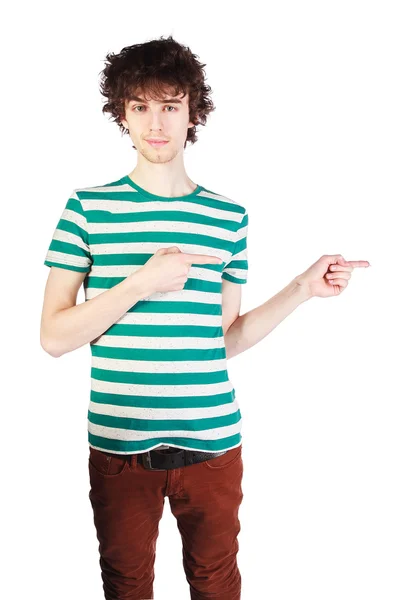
<point x="303" y="289"/>
<point x="139" y="284"/>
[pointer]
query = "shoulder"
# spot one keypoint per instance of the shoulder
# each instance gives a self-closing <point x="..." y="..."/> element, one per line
<point x="101" y="188"/>
<point x="233" y="205"/>
<point x="95" y="197"/>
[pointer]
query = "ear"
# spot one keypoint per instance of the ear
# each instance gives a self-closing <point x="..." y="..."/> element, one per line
<point x="123" y="115"/>
<point x="192" y="124"/>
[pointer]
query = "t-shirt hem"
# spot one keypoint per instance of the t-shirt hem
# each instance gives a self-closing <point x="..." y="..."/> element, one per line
<point x="171" y="445"/>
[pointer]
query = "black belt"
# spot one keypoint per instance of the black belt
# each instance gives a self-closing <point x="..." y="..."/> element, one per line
<point x="173" y="458"/>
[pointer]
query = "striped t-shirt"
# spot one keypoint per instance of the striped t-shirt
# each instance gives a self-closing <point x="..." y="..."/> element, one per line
<point x="159" y="374"/>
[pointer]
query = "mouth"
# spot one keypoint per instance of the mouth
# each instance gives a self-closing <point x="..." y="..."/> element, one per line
<point x="156" y="144"/>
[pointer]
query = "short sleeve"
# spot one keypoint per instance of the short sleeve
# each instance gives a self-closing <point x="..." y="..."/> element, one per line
<point x="69" y="247"/>
<point x="236" y="270"/>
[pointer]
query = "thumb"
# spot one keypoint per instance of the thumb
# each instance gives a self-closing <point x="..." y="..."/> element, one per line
<point x="339" y="260"/>
<point x="172" y="250"/>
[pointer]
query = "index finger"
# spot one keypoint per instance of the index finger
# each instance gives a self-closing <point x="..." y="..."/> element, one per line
<point x="202" y="258"/>
<point x="358" y="263"/>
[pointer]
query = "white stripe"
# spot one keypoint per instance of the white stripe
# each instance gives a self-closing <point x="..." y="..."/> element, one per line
<point x="152" y="247"/>
<point x="137" y="389"/>
<point x="160" y="343"/>
<point x="137" y="318"/>
<point x="74" y="217"/>
<point x="129" y="206"/>
<point x="173" y="296"/>
<point x="238" y="273"/>
<point x="71" y="238"/>
<point x="151" y="414"/>
<point x="208" y="194"/>
<point x="134" y="435"/>
<point x="156" y="367"/>
<point x="242" y="233"/>
<point x="164" y="227"/>
<point x="125" y="270"/>
<point x="67" y="259"/>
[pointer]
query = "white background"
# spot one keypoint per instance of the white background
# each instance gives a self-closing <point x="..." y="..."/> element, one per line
<point x="306" y="136"/>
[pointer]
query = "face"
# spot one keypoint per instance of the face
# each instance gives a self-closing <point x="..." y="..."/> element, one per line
<point x="166" y="120"/>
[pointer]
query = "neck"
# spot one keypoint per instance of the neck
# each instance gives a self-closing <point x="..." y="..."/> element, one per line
<point x="163" y="179"/>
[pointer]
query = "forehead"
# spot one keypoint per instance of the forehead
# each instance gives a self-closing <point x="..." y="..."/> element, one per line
<point x="152" y="98"/>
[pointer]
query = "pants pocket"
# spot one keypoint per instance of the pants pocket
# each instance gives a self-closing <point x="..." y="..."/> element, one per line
<point x="225" y="460"/>
<point x="107" y="464"/>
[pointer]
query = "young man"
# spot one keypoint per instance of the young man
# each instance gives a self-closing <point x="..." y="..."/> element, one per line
<point x="162" y="260"/>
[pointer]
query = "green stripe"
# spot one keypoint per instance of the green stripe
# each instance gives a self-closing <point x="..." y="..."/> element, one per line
<point x="233" y="279"/>
<point x="245" y="221"/>
<point x="191" y="401"/>
<point x="191" y="283"/>
<point x="155" y="306"/>
<point x="136" y="197"/>
<point x="151" y="354"/>
<point x="67" y="248"/>
<point x="71" y="227"/>
<point x="163" y="424"/>
<point x="202" y="331"/>
<point x="239" y="246"/>
<point x="128" y="447"/>
<point x="102" y="216"/>
<point x="159" y="378"/>
<point x="171" y="237"/>
<point x="111" y="260"/>
<point x="237" y="264"/>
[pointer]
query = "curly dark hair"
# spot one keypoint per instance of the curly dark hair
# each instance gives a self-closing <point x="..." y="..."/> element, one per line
<point x="156" y="67"/>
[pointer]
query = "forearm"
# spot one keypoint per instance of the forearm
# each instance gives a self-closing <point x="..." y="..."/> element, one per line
<point x="73" y="327"/>
<point x="253" y="326"/>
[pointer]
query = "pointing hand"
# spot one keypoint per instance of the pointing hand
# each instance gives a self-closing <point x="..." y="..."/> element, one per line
<point x="329" y="276"/>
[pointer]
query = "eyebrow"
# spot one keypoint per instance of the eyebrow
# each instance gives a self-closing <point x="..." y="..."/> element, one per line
<point x="167" y="100"/>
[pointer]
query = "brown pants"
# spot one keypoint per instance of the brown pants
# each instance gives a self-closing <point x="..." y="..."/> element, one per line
<point x="128" y="502"/>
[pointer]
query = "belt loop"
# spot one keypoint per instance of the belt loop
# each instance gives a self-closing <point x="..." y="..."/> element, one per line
<point x="146" y="459"/>
<point x="133" y="460"/>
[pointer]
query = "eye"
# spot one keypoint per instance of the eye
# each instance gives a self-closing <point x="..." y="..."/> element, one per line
<point x="141" y="106"/>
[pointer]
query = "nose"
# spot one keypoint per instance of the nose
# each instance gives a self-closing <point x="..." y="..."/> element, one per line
<point x="155" y="121"/>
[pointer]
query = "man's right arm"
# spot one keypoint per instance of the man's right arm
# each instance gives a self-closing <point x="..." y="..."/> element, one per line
<point x="66" y="326"/>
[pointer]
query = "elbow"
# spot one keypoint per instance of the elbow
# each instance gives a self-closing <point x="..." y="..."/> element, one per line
<point x="49" y="347"/>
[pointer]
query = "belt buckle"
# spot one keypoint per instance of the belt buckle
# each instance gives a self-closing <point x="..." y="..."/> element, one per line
<point x="147" y="462"/>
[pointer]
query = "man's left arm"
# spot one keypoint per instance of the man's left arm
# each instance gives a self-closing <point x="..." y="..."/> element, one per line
<point x="327" y="277"/>
<point x="244" y="331"/>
